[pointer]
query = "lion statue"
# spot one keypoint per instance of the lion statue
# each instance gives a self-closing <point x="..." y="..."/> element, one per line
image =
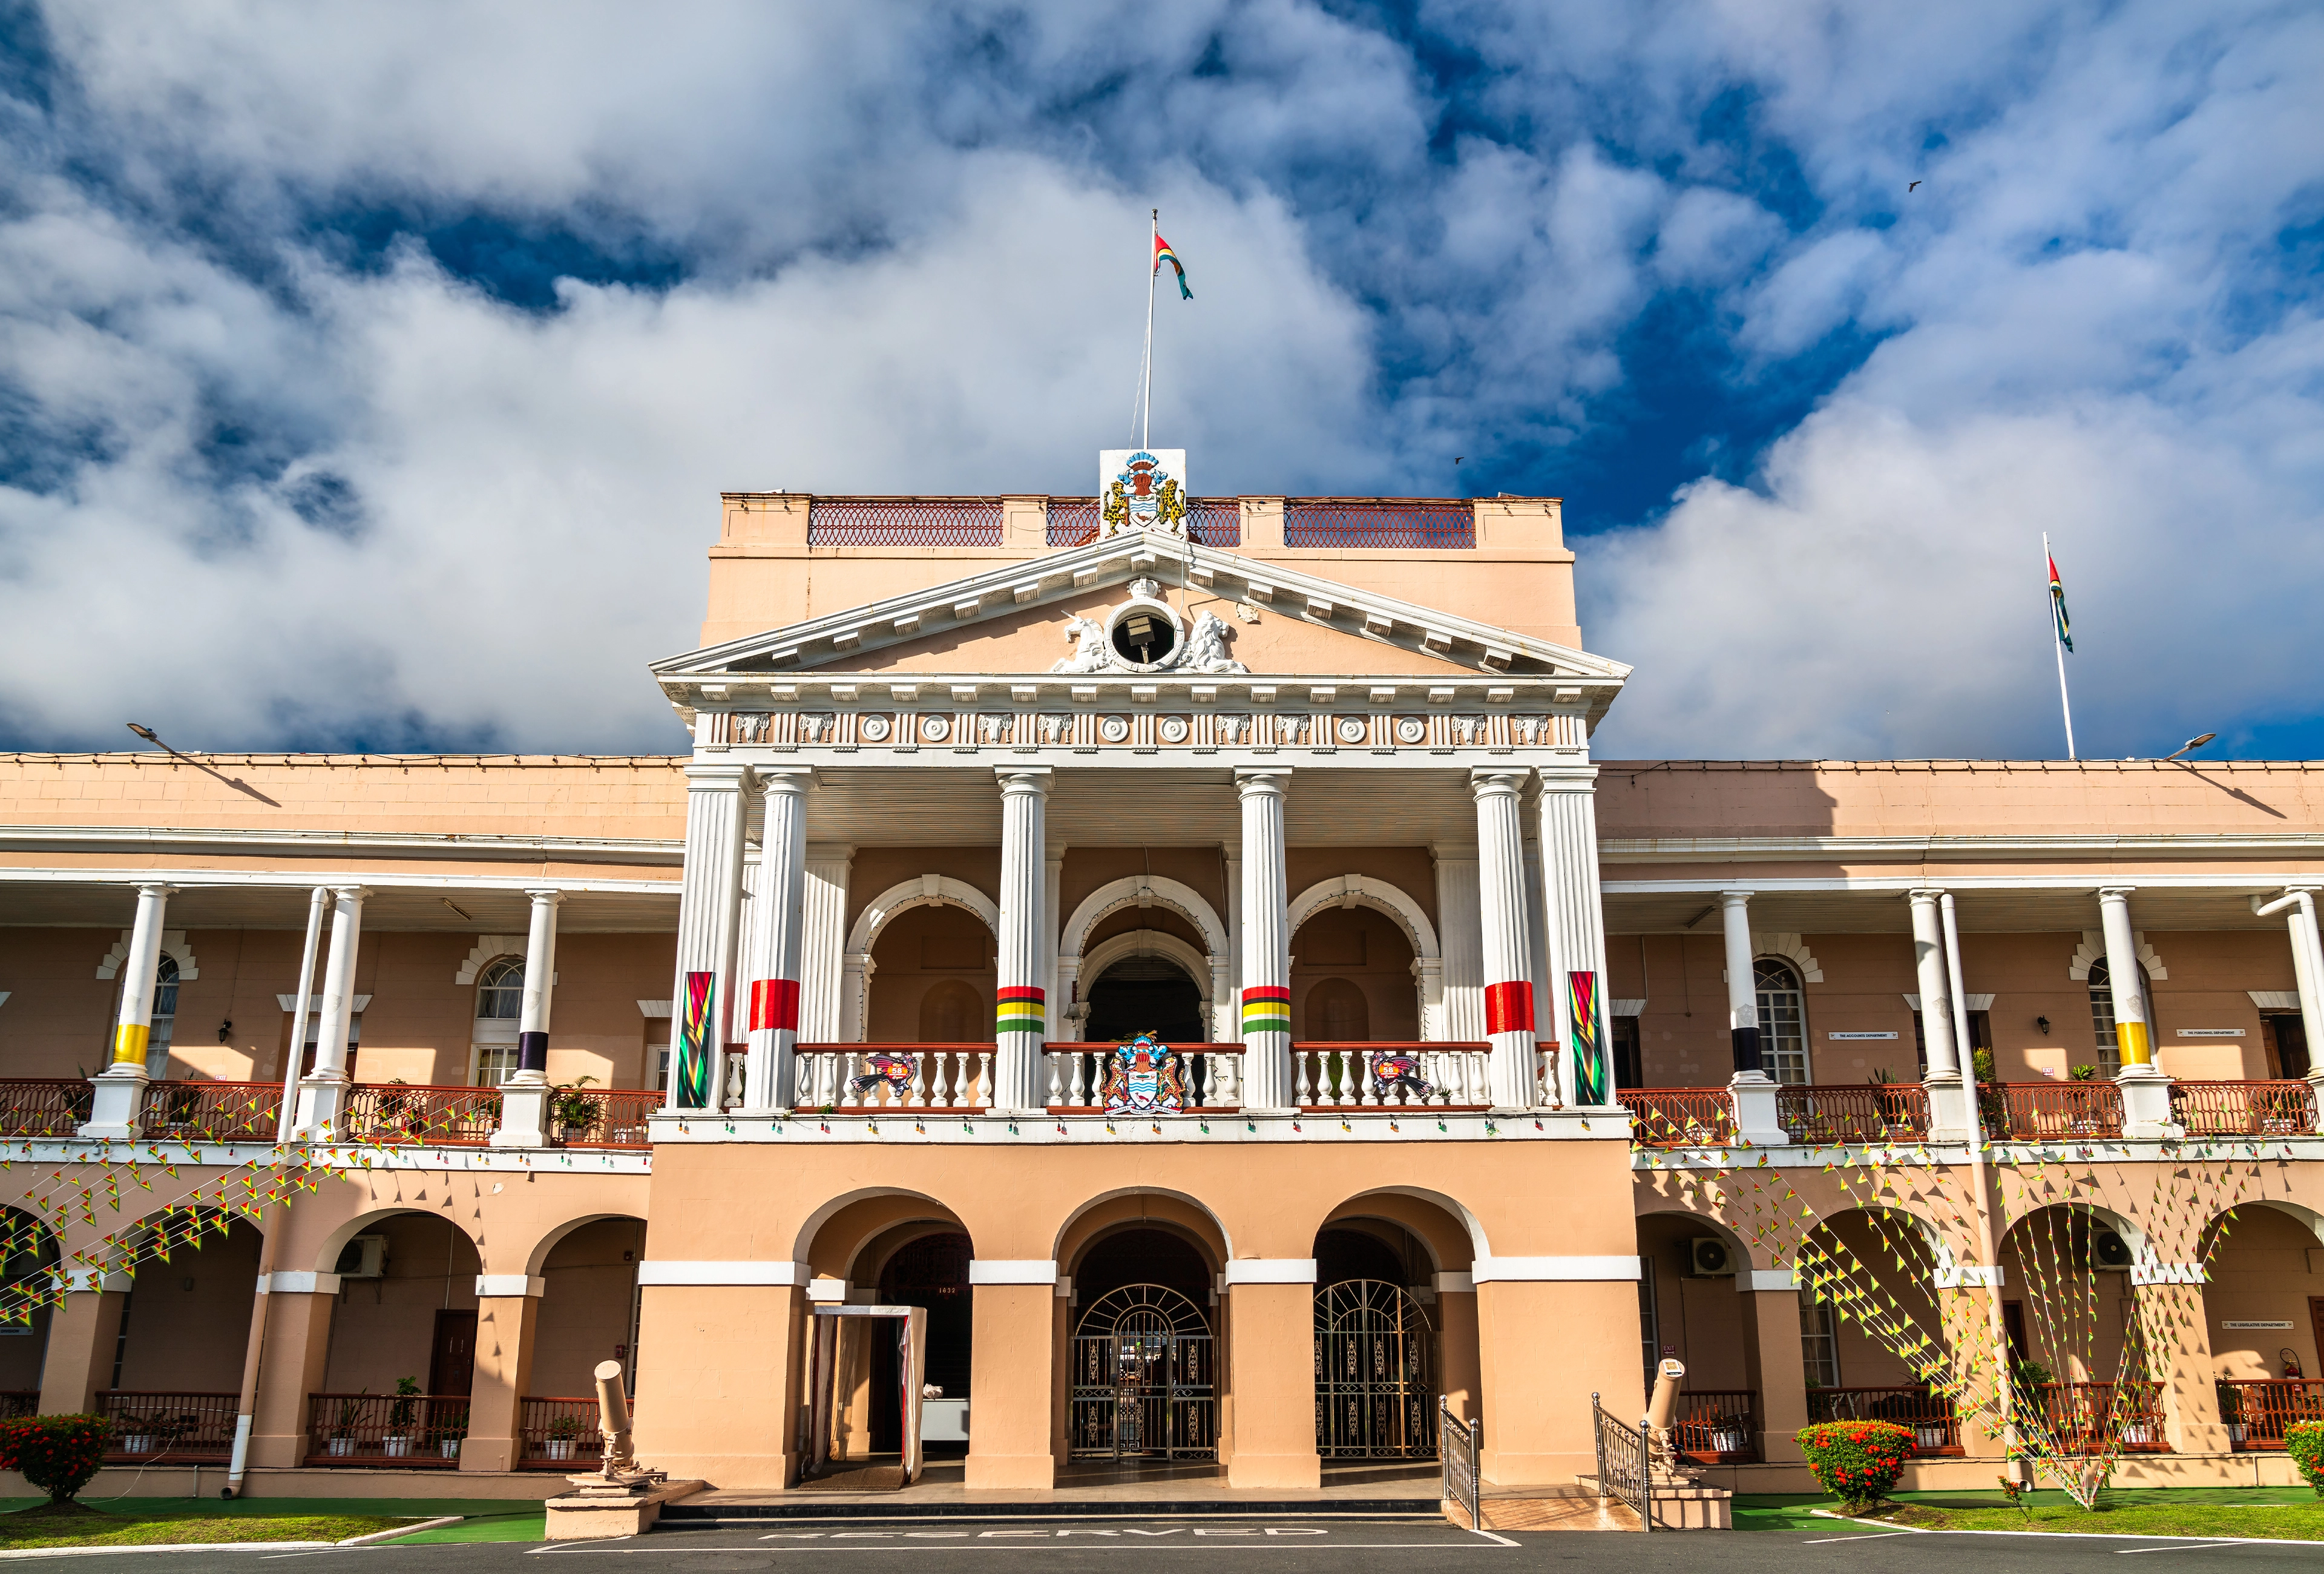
<point x="1090" y="652"/>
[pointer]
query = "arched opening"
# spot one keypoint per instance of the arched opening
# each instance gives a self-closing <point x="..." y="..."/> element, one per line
<point x="1688" y="1309"/>
<point x="933" y="978"/>
<point x="2078" y="1350"/>
<point x="2264" y="1302"/>
<point x="28" y="1250"/>
<point x="1783" y="1020"/>
<point x="1144" y="993"/>
<point x="930" y="1272"/>
<point x="1377" y="1360"/>
<point x="407" y="1309"/>
<point x="1857" y="1365"/>
<point x="1143" y="1359"/>
<point x="2102" y="1022"/>
<point x="588" y="1313"/>
<point x="1351" y="979"/>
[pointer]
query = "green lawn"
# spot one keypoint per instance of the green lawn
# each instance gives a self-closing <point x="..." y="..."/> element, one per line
<point x="163" y="1521"/>
<point x="2281" y="1512"/>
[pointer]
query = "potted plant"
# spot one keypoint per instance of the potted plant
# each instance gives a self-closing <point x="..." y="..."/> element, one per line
<point x="342" y="1440"/>
<point x="400" y="1416"/>
<point x="563" y="1434"/>
<point x="137" y="1434"/>
<point x="444" y="1433"/>
<point x="576" y="1113"/>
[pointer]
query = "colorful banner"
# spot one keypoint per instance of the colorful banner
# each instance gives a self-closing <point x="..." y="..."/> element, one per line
<point x="694" y="1041"/>
<point x="1022" y="1008"/>
<point x="1592" y="1084"/>
<point x="774" y="1004"/>
<point x="1508" y="1007"/>
<point x="1266" y="1008"/>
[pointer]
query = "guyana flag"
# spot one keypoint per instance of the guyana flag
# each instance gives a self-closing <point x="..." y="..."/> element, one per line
<point x="2058" y="606"/>
<point x="1163" y="254"/>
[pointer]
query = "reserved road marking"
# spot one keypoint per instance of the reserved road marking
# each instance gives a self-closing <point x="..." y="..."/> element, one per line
<point x="2194" y="1547"/>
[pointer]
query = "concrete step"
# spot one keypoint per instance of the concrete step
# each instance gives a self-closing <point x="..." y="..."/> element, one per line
<point x="904" y="1505"/>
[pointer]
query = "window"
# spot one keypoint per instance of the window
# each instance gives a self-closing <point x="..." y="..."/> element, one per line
<point x="1626" y="1058"/>
<point x="1782" y="1022"/>
<point x="1981" y="1037"/>
<point x="314" y="1031"/>
<point x="2102" y="1014"/>
<point x="495" y="1064"/>
<point x="500" y="991"/>
<point x="2289" y="1040"/>
<point x="1819" y="1340"/>
<point x="1649" y="1324"/>
<point x="165" y="1018"/>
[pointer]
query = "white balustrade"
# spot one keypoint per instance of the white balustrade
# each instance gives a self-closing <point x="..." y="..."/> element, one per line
<point x="1076" y="1079"/>
<point x="939" y="1078"/>
<point x="1343" y="1079"/>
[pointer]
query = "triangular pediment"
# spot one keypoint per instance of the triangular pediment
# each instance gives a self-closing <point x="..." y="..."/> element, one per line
<point x="1011" y="621"/>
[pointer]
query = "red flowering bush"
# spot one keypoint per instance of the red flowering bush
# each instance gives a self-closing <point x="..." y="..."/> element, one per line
<point x="59" y="1454"/>
<point x="1857" y="1461"/>
<point x="2304" y="1442"/>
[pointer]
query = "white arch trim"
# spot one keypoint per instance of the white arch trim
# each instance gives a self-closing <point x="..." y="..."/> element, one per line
<point x="1794" y="949"/>
<point x="328" y="1260"/>
<point x="803" y="1247"/>
<point x="2093" y="950"/>
<point x="487" y="949"/>
<point x="1143" y="891"/>
<point x="173" y="946"/>
<point x="1208" y="975"/>
<point x="1365" y="891"/>
<point x="928" y="891"/>
<point x="536" y="1261"/>
<point x="1057" y="1243"/>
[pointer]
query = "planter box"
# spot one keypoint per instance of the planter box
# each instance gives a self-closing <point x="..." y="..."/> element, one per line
<point x="137" y="1443"/>
<point x="450" y="1448"/>
<point x="559" y="1448"/>
<point x="341" y="1448"/>
<point x="397" y="1447"/>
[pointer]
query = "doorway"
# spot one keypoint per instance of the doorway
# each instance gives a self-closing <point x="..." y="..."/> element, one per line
<point x="1145" y="995"/>
<point x="452" y="1359"/>
<point x="932" y="1274"/>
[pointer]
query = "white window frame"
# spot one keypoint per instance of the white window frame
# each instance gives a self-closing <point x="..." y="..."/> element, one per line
<point x="1772" y="1056"/>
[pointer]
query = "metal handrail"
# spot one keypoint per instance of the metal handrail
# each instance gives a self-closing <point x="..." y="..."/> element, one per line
<point x="1629" y="1460"/>
<point x="1458" y="1448"/>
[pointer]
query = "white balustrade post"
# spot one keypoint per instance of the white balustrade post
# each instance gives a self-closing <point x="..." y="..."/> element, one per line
<point x="770" y="1081"/>
<point x="323" y="1091"/>
<point x="2145" y="1090"/>
<point x="1949" y="1111"/>
<point x="524" y="1096"/>
<point x="118" y="1101"/>
<point x="1751" y="1090"/>
<point x="823" y="941"/>
<point x="1463" y="943"/>
<point x="1507" y="939"/>
<point x="1574" y="911"/>
<point x="1021" y="1001"/>
<point x="708" y="905"/>
<point x="1266" y="1016"/>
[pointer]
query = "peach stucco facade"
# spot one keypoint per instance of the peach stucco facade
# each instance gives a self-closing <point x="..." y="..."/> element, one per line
<point x="690" y="1061"/>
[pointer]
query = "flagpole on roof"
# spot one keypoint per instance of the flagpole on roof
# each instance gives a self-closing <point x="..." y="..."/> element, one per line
<point x="2057" y="636"/>
<point x="1146" y="392"/>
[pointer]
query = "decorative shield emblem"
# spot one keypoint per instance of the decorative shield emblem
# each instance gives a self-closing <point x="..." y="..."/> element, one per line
<point x="1393" y="1068"/>
<point x="893" y="1072"/>
<point x="1142" y="490"/>
<point x="1143" y="1076"/>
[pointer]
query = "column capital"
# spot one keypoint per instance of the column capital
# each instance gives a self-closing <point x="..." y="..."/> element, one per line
<point x="716" y="775"/>
<point x="830" y="852"/>
<point x="1579" y="780"/>
<point x="157" y="888"/>
<point x="355" y="893"/>
<point x="1925" y="895"/>
<point x="1024" y="778"/>
<point x="1453" y="852"/>
<point x="2116" y="893"/>
<point x="1496" y="781"/>
<point x="545" y="897"/>
<point x="1735" y="898"/>
<point x="785" y="778"/>
<point x="1250" y="779"/>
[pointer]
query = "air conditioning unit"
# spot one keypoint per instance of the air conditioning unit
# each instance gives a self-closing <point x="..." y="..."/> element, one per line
<point x="2109" y="1250"/>
<point x="364" y="1257"/>
<point x="1709" y="1257"/>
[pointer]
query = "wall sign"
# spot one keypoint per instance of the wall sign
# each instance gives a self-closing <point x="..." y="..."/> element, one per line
<point x="1860" y="1036"/>
<point x="2210" y="1032"/>
<point x="2249" y="1324"/>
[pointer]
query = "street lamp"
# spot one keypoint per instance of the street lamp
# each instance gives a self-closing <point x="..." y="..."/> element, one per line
<point x="2192" y="742"/>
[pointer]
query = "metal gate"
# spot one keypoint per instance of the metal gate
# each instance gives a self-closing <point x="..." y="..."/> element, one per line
<point x="1144" y="1385"/>
<point x="1375" y="1362"/>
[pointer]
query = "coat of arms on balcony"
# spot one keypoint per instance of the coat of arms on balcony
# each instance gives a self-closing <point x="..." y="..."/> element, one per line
<point x="1144" y="1076"/>
<point x="1142" y="490"/>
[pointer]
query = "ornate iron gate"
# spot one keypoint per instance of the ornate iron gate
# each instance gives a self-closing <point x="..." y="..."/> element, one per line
<point x="1375" y="1359"/>
<point x="1144" y="1385"/>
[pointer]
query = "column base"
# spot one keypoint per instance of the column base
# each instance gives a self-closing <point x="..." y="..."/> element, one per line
<point x="1756" y="1122"/>
<point x="322" y="1108"/>
<point x="2146" y="1104"/>
<point x="1950" y="1118"/>
<point x="2316" y="1096"/>
<point x="525" y="1123"/>
<point x="1247" y="1470"/>
<point x="116" y="1109"/>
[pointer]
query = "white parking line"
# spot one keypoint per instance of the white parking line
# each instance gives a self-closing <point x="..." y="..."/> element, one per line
<point x="1860" y="1536"/>
<point x="2194" y="1547"/>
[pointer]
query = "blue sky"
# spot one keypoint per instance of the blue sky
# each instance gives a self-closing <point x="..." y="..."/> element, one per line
<point x="367" y="374"/>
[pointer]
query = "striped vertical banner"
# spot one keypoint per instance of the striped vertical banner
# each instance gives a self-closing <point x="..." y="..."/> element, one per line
<point x="1508" y="1007"/>
<point x="1591" y="1085"/>
<point x="691" y="1075"/>
<point x="1022" y="1008"/>
<point x="1266" y="1008"/>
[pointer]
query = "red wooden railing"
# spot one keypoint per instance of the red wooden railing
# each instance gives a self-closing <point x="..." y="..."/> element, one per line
<point x="558" y="1434"/>
<point x="213" y="1112"/>
<point x="1717" y="1426"/>
<point x="44" y="1107"/>
<point x="1679" y="1117"/>
<point x="1379" y="522"/>
<point x="158" y="1429"/>
<point x="904" y="521"/>
<point x="402" y="1431"/>
<point x="15" y="1402"/>
<point x="602" y="1117"/>
<point x="1881" y="1112"/>
<point x="392" y="1113"/>
<point x="2080" y="1415"/>
<point x="2243" y="1110"/>
<point x="2258" y="1413"/>
<point x="1935" y="1429"/>
<point x="2052" y="1111"/>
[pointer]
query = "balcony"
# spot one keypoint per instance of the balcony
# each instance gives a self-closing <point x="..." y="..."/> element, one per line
<point x="2258" y="1413"/>
<point x="2243" y="1110"/>
<point x="1873" y="1114"/>
<point x="44" y="1106"/>
<point x="1866" y="1113"/>
<point x="168" y="1429"/>
<point x="1935" y="1429"/>
<point x="404" y="1431"/>
<point x="1718" y="1426"/>
<point x="2080" y="1415"/>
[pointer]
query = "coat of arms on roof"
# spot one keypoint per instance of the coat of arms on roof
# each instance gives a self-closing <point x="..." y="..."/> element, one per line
<point x="1142" y="489"/>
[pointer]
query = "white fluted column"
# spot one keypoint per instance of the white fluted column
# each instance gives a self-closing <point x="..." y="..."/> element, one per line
<point x="823" y="941"/>
<point x="1462" y="941"/>
<point x="1511" y="1070"/>
<point x="1266" y="989"/>
<point x="323" y="1091"/>
<point x="1053" y="880"/>
<point x="2145" y="1091"/>
<point x="1573" y="913"/>
<point x="769" y="1085"/>
<point x="524" y="1096"/>
<point x="1753" y="1092"/>
<point x="707" y="920"/>
<point x="1949" y="1112"/>
<point x="1020" y="1003"/>
<point x="119" y="1098"/>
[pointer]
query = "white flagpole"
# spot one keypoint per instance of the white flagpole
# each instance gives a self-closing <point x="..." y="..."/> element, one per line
<point x="2065" y="704"/>
<point x="1145" y="398"/>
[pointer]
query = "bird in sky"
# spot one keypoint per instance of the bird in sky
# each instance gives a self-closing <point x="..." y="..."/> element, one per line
<point x="1914" y="186"/>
